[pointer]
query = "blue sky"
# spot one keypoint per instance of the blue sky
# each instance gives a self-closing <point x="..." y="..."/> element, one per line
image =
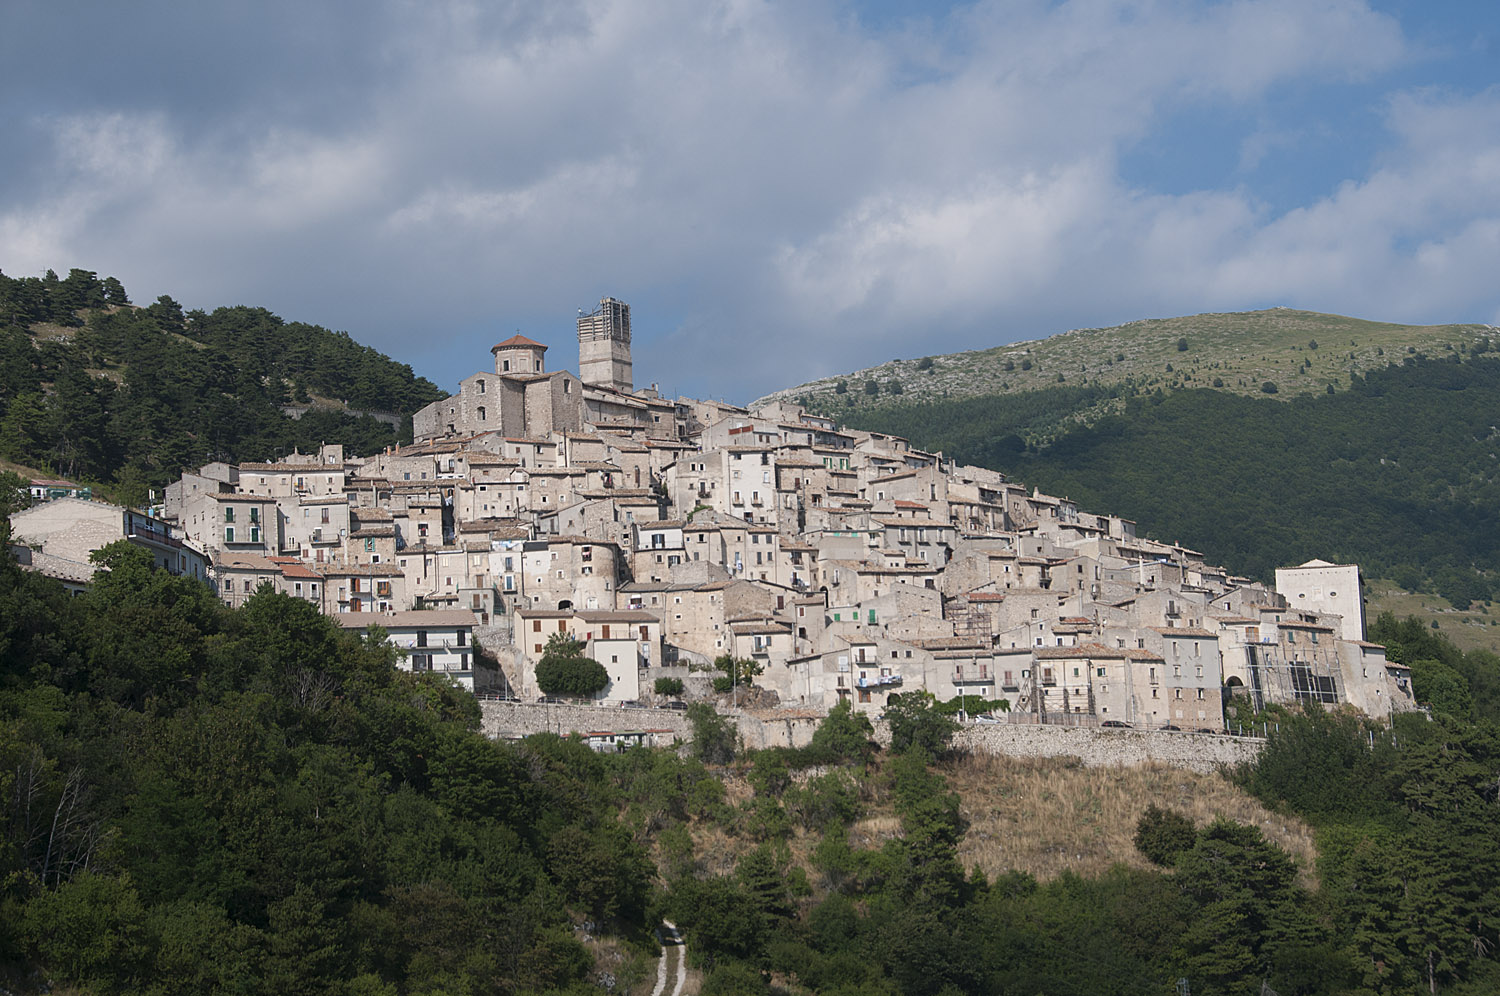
<point x="780" y="190"/>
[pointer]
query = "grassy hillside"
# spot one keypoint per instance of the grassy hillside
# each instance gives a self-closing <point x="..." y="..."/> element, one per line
<point x="1399" y="473"/>
<point x="1477" y="628"/>
<point x="1041" y="816"/>
<point x="1301" y="352"/>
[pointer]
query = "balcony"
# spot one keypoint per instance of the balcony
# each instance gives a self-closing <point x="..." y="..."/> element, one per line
<point x="880" y="681"/>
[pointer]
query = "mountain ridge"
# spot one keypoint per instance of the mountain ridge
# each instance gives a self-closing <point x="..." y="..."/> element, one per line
<point x="1300" y="352"/>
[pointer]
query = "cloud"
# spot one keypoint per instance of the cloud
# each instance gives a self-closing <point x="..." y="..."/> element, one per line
<point x="781" y="190"/>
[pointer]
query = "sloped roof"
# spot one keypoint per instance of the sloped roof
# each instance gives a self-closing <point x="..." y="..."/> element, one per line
<point x="517" y="341"/>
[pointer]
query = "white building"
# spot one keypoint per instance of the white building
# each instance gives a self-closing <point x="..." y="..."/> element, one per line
<point x="1318" y="586"/>
<point x="439" y="641"/>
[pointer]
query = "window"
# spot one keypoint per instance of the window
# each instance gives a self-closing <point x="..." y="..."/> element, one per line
<point x="229" y="513"/>
<point x="369" y="544"/>
<point x="228" y="534"/>
<point x="1098" y="671"/>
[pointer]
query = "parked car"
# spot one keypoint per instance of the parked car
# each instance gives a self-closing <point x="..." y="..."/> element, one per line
<point x="988" y="718"/>
<point x="632" y="704"/>
<point x="1169" y="726"/>
<point x="1116" y="724"/>
<point x="679" y="706"/>
<point x="549" y="700"/>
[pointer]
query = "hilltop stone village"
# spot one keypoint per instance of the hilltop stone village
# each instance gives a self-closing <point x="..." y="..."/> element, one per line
<point x="664" y="534"/>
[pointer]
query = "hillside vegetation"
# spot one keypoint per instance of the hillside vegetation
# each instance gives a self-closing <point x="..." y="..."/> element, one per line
<point x="93" y="387"/>
<point x="199" y="799"/>
<point x="1300" y="352"/>
<point x="1399" y="473"/>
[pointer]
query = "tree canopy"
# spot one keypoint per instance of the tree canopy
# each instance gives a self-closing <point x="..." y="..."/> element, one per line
<point x="564" y="670"/>
<point x="133" y="395"/>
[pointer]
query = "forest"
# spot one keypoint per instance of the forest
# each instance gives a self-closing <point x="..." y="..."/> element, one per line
<point x="199" y="799"/>
<point x="95" y="389"/>
<point x="1399" y="473"/>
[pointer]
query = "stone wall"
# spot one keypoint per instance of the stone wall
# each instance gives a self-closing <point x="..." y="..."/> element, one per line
<point x="771" y="728"/>
<point x="1100" y="748"/>
<point x="519" y="719"/>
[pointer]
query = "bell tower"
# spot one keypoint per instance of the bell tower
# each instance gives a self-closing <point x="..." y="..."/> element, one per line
<point x="604" y="347"/>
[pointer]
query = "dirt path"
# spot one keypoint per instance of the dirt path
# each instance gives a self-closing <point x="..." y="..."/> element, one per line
<point x="672" y="967"/>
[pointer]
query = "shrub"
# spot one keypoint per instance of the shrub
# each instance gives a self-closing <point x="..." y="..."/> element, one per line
<point x="916" y="723"/>
<point x="843" y="735"/>
<point x="1269" y="387"/>
<point x="1182" y="345"/>
<point x="830" y="798"/>
<point x="714" y="739"/>
<point x="1162" y="834"/>
<point x="563" y="670"/>
<point x="668" y="686"/>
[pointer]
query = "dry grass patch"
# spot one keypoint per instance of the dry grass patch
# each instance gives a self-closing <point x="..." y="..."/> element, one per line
<point x="1046" y="816"/>
<point x="1042" y="816"/>
<point x="1473" y="628"/>
<point x="24" y="470"/>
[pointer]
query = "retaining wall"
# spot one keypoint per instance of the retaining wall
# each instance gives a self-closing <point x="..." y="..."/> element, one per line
<point x="1095" y="747"/>
<point x="1098" y="748"/>
<point x="520" y="719"/>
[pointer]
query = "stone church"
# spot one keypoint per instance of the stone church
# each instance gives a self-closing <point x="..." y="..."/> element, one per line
<point x="520" y="398"/>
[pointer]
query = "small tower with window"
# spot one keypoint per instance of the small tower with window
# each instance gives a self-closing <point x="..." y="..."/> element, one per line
<point x="519" y="355"/>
